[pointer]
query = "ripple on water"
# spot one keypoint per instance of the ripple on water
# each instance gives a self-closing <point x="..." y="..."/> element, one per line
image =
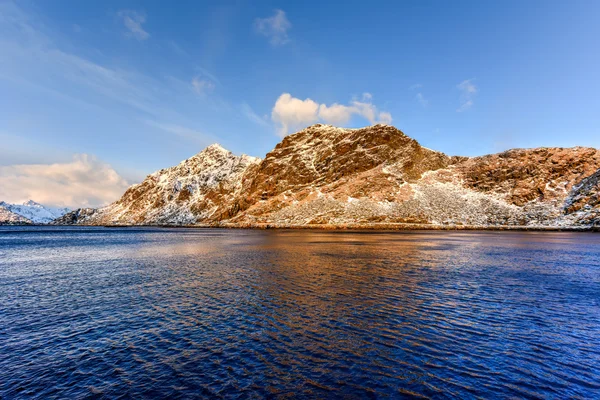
<point x="226" y="313"/>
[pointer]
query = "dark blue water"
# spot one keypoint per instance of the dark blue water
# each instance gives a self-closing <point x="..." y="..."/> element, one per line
<point x="120" y="313"/>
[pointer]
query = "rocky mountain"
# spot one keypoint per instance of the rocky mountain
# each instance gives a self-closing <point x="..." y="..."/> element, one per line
<point x="198" y="189"/>
<point x="325" y="175"/>
<point x="74" y="217"/>
<point x="32" y="212"/>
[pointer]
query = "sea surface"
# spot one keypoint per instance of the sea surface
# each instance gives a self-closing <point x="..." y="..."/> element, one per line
<point x="209" y="313"/>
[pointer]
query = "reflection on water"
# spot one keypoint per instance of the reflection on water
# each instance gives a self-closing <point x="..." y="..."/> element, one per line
<point x="229" y="313"/>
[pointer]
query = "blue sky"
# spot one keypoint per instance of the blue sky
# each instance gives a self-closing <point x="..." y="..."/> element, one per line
<point x="119" y="89"/>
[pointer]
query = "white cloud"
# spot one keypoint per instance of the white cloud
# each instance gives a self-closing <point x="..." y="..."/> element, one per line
<point x="133" y="22"/>
<point x="202" y="86"/>
<point x="336" y="114"/>
<point x="291" y="113"/>
<point x="385" y="118"/>
<point x="419" y="96"/>
<point x="252" y="116"/>
<point x="275" y="28"/>
<point x="83" y="182"/>
<point x="467" y="86"/>
<point x="465" y="106"/>
<point x="468" y="92"/>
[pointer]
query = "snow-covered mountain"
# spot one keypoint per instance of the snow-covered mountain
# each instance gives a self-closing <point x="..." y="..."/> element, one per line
<point x="10" y="218"/>
<point x="34" y="212"/>
<point x="198" y="189"/>
<point x="325" y="175"/>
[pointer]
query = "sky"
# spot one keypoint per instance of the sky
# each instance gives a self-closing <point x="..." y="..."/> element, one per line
<point x="95" y="95"/>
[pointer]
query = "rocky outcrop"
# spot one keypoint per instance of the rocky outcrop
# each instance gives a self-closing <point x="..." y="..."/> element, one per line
<point x="315" y="176"/>
<point x="74" y="217"/>
<point x="583" y="202"/>
<point x="523" y="175"/>
<point x="331" y="176"/>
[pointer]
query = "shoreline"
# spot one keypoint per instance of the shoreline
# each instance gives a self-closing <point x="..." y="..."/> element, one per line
<point x="409" y="227"/>
<point x="345" y="227"/>
<point x="374" y="227"/>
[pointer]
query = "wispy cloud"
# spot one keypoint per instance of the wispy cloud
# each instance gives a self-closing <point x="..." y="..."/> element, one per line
<point x="468" y="92"/>
<point x="38" y="63"/>
<point x="292" y="113"/>
<point x="133" y="21"/>
<point x="177" y="49"/>
<point x="207" y="75"/>
<point x="252" y="116"/>
<point x="202" y="86"/>
<point x="421" y="99"/>
<point x="183" y="132"/>
<point x="204" y="82"/>
<point x="419" y="96"/>
<point x="275" y="28"/>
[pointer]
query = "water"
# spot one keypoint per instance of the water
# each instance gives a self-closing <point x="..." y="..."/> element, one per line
<point x="239" y="313"/>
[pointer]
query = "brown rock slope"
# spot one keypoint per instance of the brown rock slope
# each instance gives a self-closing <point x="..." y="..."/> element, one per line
<point x="325" y="174"/>
<point x="329" y="175"/>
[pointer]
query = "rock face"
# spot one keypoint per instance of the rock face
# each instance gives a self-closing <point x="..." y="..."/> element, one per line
<point x="325" y="174"/>
<point x="329" y="175"/>
<point x="74" y="217"/>
<point x="583" y="202"/>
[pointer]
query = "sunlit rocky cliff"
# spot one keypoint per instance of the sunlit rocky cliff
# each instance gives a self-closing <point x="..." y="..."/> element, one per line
<point x="374" y="176"/>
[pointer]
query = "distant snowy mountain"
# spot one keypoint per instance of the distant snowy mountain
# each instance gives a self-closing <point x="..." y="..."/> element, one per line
<point x="10" y="218"/>
<point x="34" y="212"/>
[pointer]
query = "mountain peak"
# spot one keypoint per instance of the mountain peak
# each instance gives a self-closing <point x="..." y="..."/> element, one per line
<point x="328" y="126"/>
<point x="31" y="203"/>
<point x="216" y="147"/>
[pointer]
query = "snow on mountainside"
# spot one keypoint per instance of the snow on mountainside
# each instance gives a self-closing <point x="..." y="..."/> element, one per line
<point x="35" y="212"/>
<point x="10" y="218"/>
<point x="325" y="175"/>
<point x="195" y="190"/>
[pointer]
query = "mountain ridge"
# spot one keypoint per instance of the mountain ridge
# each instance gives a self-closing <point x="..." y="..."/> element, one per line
<point x="325" y="175"/>
<point x="29" y="212"/>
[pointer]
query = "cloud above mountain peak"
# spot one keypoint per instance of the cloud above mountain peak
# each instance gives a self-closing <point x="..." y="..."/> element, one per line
<point x="290" y="113"/>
